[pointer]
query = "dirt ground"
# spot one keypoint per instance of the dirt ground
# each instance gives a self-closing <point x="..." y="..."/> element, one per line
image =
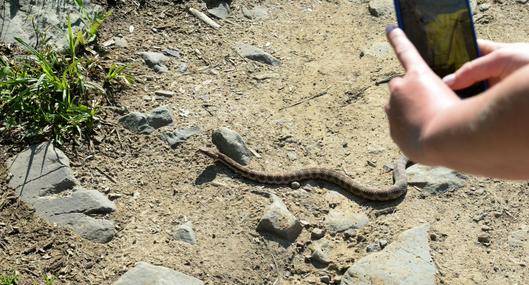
<point x="324" y="49"/>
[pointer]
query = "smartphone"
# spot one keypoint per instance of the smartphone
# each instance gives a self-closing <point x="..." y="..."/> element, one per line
<point x="443" y="33"/>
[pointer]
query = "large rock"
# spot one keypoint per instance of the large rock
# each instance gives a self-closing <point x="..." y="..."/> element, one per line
<point x="434" y="179"/>
<point x="42" y="177"/>
<point x="98" y="230"/>
<point x="23" y="18"/>
<point x="80" y="201"/>
<point x="40" y="170"/>
<point x="147" y="274"/>
<point x="278" y="221"/>
<point x="231" y="143"/>
<point x="406" y="261"/>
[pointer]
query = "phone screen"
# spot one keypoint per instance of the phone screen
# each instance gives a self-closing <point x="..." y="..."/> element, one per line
<point x="443" y="33"/>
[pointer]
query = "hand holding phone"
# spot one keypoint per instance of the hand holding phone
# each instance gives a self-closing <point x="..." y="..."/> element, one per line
<point x="416" y="98"/>
<point x="443" y="33"/>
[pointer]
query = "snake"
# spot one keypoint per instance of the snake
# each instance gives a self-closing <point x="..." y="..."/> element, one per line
<point x="395" y="191"/>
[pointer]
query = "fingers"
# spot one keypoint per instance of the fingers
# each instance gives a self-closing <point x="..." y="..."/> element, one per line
<point x="480" y="69"/>
<point x="486" y="46"/>
<point x="406" y="52"/>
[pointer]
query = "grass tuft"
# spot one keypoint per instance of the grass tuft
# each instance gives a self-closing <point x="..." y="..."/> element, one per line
<point x="55" y="94"/>
<point x="10" y="279"/>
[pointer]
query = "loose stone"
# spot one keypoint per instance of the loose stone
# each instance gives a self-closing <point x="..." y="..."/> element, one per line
<point x="231" y="143"/>
<point x="484" y="238"/>
<point x="317" y="233"/>
<point x="185" y="233"/>
<point x="256" y="54"/>
<point x="145" y="273"/>
<point x="279" y="221"/>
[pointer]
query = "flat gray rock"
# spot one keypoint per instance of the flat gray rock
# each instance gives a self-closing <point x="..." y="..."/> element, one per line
<point x="406" y="261"/>
<point x="435" y="179"/>
<point x="256" y="54"/>
<point x="120" y="42"/>
<point x="257" y="12"/>
<point x="80" y="201"/>
<point x="379" y="8"/>
<point x="231" y="143"/>
<point x="218" y="8"/>
<point x="97" y="230"/>
<point x="147" y="274"/>
<point x="155" y="60"/>
<point x="160" y="117"/>
<point x="22" y="17"/>
<point x="379" y="50"/>
<point x="340" y="221"/>
<point x="185" y="233"/>
<point x="177" y="137"/>
<point x="320" y="251"/>
<point x="520" y="238"/>
<point x="278" y="221"/>
<point x="40" y="170"/>
<point x="136" y="122"/>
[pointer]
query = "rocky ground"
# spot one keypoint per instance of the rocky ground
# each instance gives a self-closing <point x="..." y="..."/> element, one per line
<point x="317" y="100"/>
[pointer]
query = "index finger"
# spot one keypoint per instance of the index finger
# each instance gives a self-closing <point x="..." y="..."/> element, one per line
<point x="406" y="52"/>
<point x="486" y="46"/>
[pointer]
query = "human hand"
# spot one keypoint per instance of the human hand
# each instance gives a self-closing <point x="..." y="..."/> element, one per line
<point x="416" y="99"/>
<point x="499" y="60"/>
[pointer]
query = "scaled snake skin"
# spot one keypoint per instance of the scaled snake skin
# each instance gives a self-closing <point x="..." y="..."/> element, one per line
<point x="398" y="189"/>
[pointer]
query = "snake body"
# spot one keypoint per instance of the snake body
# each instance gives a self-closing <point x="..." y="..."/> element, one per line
<point x="395" y="191"/>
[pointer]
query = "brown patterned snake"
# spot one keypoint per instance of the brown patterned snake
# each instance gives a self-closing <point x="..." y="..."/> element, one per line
<point x="395" y="191"/>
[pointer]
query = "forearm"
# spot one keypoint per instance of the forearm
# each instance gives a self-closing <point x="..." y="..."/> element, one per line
<point x="485" y="135"/>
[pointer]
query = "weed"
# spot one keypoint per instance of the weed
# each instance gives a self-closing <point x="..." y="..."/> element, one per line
<point x="10" y="279"/>
<point x="51" y="94"/>
<point x="49" y="280"/>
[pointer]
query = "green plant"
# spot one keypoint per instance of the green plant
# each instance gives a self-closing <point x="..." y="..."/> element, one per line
<point x="10" y="279"/>
<point x="51" y="94"/>
<point x="49" y="279"/>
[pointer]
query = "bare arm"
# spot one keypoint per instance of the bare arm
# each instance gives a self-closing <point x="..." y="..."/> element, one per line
<point x="486" y="135"/>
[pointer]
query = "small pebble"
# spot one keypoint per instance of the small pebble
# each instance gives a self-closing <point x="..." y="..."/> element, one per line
<point x="325" y="279"/>
<point x="383" y="243"/>
<point x="317" y="233"/>
<point x="484" y="238"/>
<point x="295" y="185"/>
<point x="350" y="233"/>
<point x="486" y="228"/>
<point x="484" y="7"/>
<point x="164" y="93"/>
<point x="373" y="247"/>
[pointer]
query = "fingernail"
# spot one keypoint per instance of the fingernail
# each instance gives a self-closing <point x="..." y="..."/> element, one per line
<point x="449" y="79"/>
<point x="390" y="28"/>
